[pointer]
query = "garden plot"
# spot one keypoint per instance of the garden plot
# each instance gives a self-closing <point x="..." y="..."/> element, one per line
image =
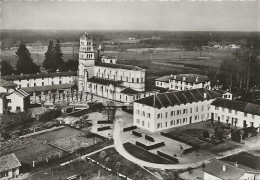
<point x="57" y="134"/>
<point x="37" y="153"/>
<point x="75" y="142"/>
<point x="16" y="144"/>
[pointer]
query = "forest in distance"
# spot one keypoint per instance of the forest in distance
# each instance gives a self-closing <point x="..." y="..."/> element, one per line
<point x="188" y="39"/>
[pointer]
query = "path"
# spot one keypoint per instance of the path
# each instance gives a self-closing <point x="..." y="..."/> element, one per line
<point x="121" y="150"/>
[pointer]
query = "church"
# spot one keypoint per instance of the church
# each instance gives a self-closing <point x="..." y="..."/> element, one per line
<point x="107" y="79"/>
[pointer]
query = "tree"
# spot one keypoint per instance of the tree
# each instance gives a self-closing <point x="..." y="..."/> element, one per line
<point x="6" y="68"/>
<point x="110" y="110"/>
<point x="57" y="54"/>
<point x="25" y="63"/>
<point x="48" y="62"/>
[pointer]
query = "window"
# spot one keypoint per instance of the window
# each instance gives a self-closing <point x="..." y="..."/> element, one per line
<point x="18" y="108"/>
<point x="158" y="116"/>
<point x="229" y="110"/>
<point x="253" y="116"/>
<point x="137" y="80"/>
<point x="197" y="108"/>
<point x="34" y="84"/>
<point x="142" y="123"/>
<point x="138" y="112"/>
<point x="28" y="85"/>
<point x="158" y="125"/>
<point x="235" y="112"/>
<point x="171" y="123"/>
<point x="143" y="113"/>
<point x="166" y="115"/>
<point x="223" y="109"/>
<point x="52" y="83"/>
<point x="202" y="108"/>
<point x="148" y="115"/>
<point x="190" y="110"/>
<point x="178" y="121"/>
<point x="148" y="125"/>
<point x="133" y="80"/>
<point x="178" y="112"/>
<point x="184" y="119"/>
<point x="165" y="124"/>
<point x="245" y="114"/>
<point x="223" y="117"/>
<point x="137" y="121"/>
<point x="216" y="108"/>
<point x="42" y="83"/>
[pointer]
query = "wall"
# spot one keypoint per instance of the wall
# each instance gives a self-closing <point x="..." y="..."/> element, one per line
<point x="222" y="114"/>
<point x="210" y="177"/>
<point x="169" y="117"/>
<point x="180" y="85"/>
<point x="162" y="84"/>
<point x="16" y="101"/>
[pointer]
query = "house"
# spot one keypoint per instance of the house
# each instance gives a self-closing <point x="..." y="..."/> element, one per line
<point x="188" y="81"/>
<point x="163" y="82"/>
<point x="171" y="109"/>
<point x="237" y="113"/>
<point x="18" y="100"/>
<point x="224" y="170"/>
<point x="6" y="86"/>
<point x="42" y="79"/>
<point x="9" y="167"/>
<point x="225" y="94"/>
<point x="108" y="59"/>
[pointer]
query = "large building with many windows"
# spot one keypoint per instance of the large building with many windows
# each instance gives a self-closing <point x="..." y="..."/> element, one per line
<point x="237" y="113"/>
<point x="108" y="79"/>
<point x="171" y="109"/>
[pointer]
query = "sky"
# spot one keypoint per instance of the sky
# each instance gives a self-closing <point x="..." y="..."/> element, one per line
<point x="132" y="15"/>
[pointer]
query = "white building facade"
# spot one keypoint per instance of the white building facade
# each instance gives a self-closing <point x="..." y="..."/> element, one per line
<point x="188" y="81"/>
<point x="108" y="79"/>
<point x="42" y="79"/>
<point x="237" y="113"/>
<point x="163" y="82"/>
<point x="18" y="100"/>
<point x="166" y="110"/>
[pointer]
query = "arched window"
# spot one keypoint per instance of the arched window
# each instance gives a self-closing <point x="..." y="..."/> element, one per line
<point x="137" y="80"/>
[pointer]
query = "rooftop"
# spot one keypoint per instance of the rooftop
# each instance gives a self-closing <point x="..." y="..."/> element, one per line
<point x="8" y="161"/>
<point x="237" y="105"/>
<point x="231" y="171"/>
<point x="21" y="93"/>
<point x="48" y="88"/>
<point x="129" y="91"/>
<point x="178" y="97"/>
<point x="39" y="75"/>
<point x="164" y="78"/>
<point x="104" y="81"/>
<point x="119" y="66"/>
<point x="191" y="78"/>
<point x="6" y="84"/>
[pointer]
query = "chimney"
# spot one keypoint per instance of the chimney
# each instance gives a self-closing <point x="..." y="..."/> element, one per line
<point x="184" y="78"/>
<point x="224" y="168"/>
<point x="205" y="95"/>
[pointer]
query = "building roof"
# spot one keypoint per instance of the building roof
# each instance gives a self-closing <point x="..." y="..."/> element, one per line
<point x="191" y="78"/>
<point x="40" y="75"/>
<point x="163" y="79"/>
<point x="8" y="161"/>
<point x="104" y="81"/>
<point x="119" y="66"/>
<point x="20" y="92"/>
<point x="215" y="168"/>
<point x="6" y="84"/>
<point x="48" y="87"/>
<point x="179" y="97"/>
<point x="237" y="105"/>
<point x="129" y="91"/>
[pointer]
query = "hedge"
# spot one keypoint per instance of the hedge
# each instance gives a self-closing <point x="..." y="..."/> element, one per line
<point x="103" y="128"/>
<point x="129" y="128"/>
<point x="105" y="122"/>
<point x="149" y="138"/>
<point x="136" y="133"/>
<point x="186" y="151"/>
<point x="173" y="159"/>
<point x="151" y="146"/>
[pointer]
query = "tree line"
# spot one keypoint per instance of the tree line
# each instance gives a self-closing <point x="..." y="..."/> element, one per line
<point x="53" y="61"/>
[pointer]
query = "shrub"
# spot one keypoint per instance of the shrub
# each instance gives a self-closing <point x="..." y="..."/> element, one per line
<point x="103" y="154"/>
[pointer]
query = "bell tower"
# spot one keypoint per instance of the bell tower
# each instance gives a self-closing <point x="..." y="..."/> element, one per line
<point x="86" y="61"/>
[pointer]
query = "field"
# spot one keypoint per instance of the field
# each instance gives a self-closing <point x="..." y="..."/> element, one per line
<point x="37" y="153"/>
<point x="120" y="164"/>
<point x="57" y="134"/>
<point x="245" y="159"/>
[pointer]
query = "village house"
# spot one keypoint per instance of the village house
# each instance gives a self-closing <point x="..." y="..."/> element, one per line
<point x="237" y="113"/>
<point x="163" y="82"/>
<point x="171" y="109"/>
<point x="6" y="86"/>
<point x="9" y="167"/>
<point x="108" y="59"/>
<point x="188" y="81"/>
<point x="18" y="100"/>
<point x="224" y="170"/>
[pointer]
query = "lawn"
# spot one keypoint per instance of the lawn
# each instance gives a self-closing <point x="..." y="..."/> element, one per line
<point x="144" y="155"/>
<point x="120" y="164"/>
<point x="57" y="134"/>
<point x="245" y="159"/>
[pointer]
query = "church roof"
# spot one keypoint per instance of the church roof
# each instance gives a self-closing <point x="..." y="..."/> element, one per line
<point x="48" y="87"/>
<point x="119" y="66"/>
<point x="177" y="97"/>
<point x="40" y="75"/>
<point x="104" y="81"/>
<point x="237" y="105"/>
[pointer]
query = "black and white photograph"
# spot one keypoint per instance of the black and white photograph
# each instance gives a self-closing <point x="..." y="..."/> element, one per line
<point x="130" y="90"/>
